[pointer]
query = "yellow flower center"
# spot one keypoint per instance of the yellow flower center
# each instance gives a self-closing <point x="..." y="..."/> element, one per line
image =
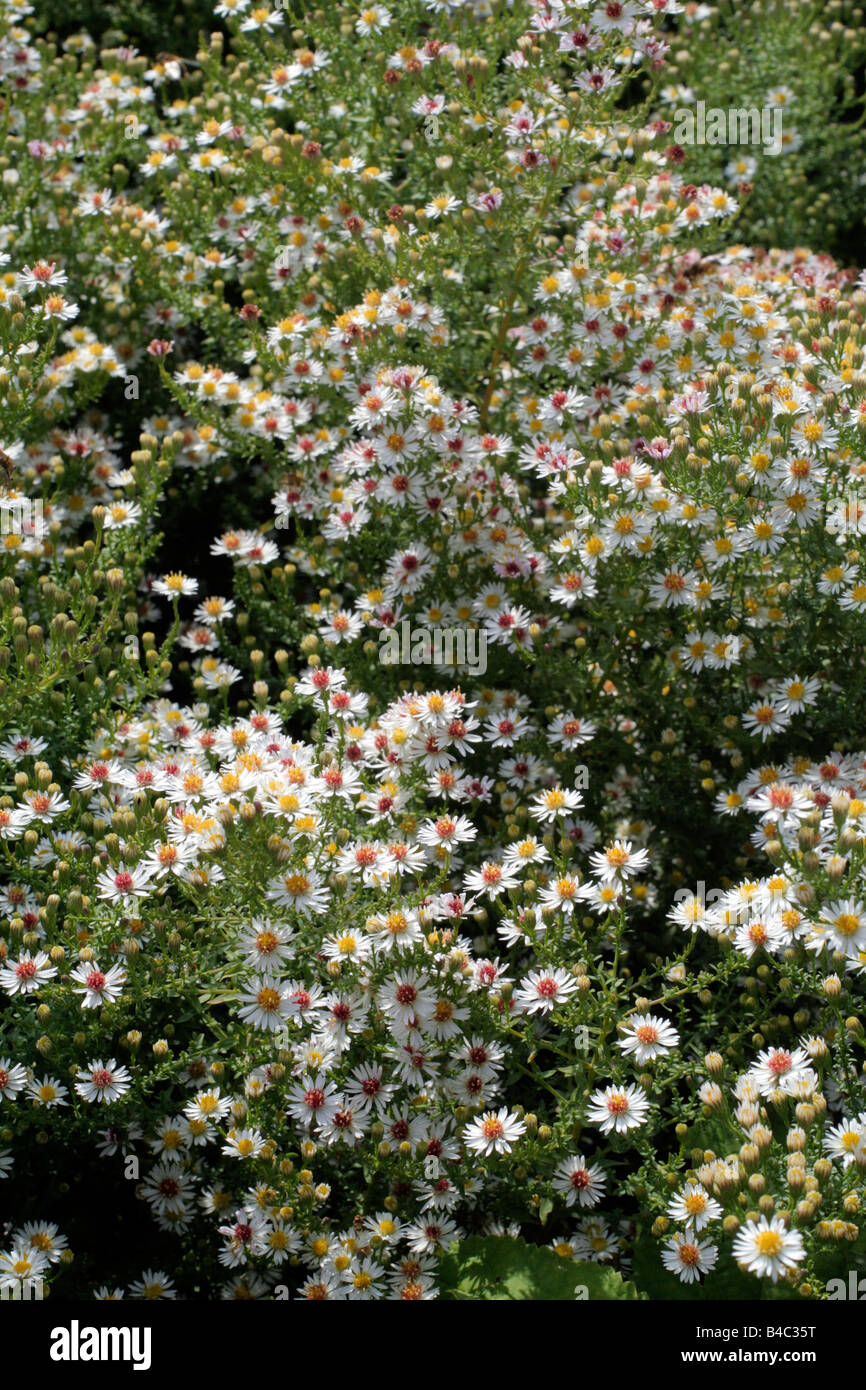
<point x="847" y="924"/>
<point x="768" y="1243"/>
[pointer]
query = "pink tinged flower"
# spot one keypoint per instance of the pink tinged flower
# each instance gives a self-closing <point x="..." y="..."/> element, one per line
<point x="647" y="1037"/>
<point x="13" y="1078"/>
<point x="579" y="1182"/>
<point x="96" y="986"/>
<point x="25" y="975"/>
<point x="543" y="989"/>
<point x="122" y="885"/>
<point x="103" y="1082"/>
<point x="618" y="1108"/>
<point x="689" y="1257"/>
<point x="493" y="1132"/>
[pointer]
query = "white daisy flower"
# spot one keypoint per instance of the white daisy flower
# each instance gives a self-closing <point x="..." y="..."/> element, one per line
<point x="768" y="1248"/>
<point x="618" y="1108"/>
<point x="645" y="1036"/>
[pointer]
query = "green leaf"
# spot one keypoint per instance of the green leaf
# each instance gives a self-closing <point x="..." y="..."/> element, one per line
<point x="506" y="1267"/>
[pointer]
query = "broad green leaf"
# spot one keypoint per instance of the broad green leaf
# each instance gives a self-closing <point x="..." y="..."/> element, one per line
<point x="505" y="1267"/>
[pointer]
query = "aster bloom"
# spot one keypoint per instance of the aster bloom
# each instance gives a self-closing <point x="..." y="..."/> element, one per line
<point x="44" y="1237"/>
<point x="672" y="590"/>
<point x="692" y="913"/>
<point x="407" y="997"/>
<point x="321" y="681"/>
<point x="168" y="858"/>
<point x="446" y="832"/>
<point x="175" y="585"/>
<point x="765" y="718"/>
<point x="493" y="1132"/>
<point x="102" y="1082"/>
<point x="646" y="1036"/>
<point x="41" y="806"/>
<point x="618" y="1108"/>
<point x="524" y="852"/>
<point x="768" y="1248"/>
<point x="841" y="927"/>
<point x="603" y="897"/>
<point x="431" y="1235"/>
<point x="97" y="774"/>
<point x="264" y="1005"/>
<point x="207" y="1105"/>
<point x="266" y="945"/>
<point x="559" y="801"/>
<point x="776" y="1064"/>
<point x="683" y="1254"/>
<point x="781" y="803"/>
<point x="123" y="886"/>
<point x="847" y="1142"/>
<point x="694" y="1207"/>
<point x="618" y="860"/>
<point x="20" y="1264"/>
<point x="243" y="1143"/>
<point x="346" y="1125"/>
<point x="562" y="894"/>
<point x="98" y="987"/>
<point x="42" y="275"/>
<point x="152" y="1286"/>
<point x="18" y="746"/>
<point x="167" y="1189"/>
<point x="595" y="1240"/>
<point x="796" y="693"/>
<point x="313" y="1100"/>
<point x="244" y="1238"/>
<point x="541" y="990"/>
<point x="301" y="889"/>
<point x="48" y="1092"/>
<point x="27" y="974"/>
<point x="13" y="1078"/>
<point x="579" y="1181"/>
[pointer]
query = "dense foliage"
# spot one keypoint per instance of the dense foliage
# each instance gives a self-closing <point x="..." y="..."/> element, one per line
<point x="432" y="663"/>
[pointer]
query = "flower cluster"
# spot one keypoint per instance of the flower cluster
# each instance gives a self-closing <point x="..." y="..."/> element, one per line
<point x="419" y="517"/>
<point x="786" y="102"/>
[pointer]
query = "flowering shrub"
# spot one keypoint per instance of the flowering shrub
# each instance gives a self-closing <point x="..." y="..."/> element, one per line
<point x="800" y="67"/>
<point x="357" y="963"/>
